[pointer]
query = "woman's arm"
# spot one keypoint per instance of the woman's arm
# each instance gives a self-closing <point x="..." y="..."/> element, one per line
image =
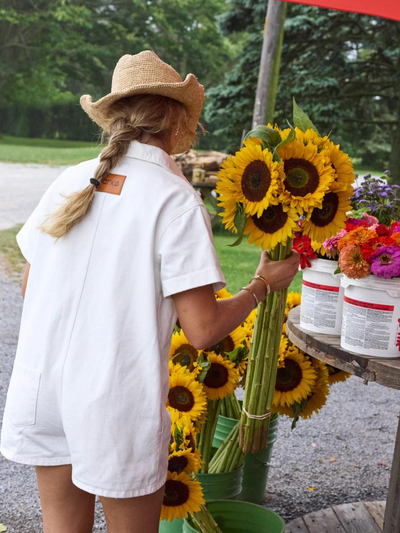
<point x="25" y="279"/>
<point x="206" y="320"/>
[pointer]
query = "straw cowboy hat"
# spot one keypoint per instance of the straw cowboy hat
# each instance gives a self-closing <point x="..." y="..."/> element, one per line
<point x="145" y="73"/>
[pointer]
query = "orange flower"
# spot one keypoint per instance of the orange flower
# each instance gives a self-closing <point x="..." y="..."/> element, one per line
<point x="358" y="236"/>
<point x="352" y="263"/>
<point x="396" y="237"/>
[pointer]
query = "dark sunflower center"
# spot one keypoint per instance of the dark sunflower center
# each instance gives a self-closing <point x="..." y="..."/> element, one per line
<point x="386" y="259"/>
<point x="273" y="219"/>
<point x="256" y="180"/>
<point x="324" y="216"/>
<point x="186" y="355"/>
<point x="177" y="463"/>
<point x="192" y="444"/>
<point x="222" y="347"/>
<point x="289" y="377"/>
<point x="216" y="377"/>
<point x="181" y="398"/>
<point x="301" y="176"/>
<point x="175" y="493"/>
<point x="332" y="370"/>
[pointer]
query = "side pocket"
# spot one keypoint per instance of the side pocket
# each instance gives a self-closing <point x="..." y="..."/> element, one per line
<point x="22" y="396"/>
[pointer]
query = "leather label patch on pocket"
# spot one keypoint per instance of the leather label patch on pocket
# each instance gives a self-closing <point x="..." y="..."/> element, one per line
<point x="112" y="183"/>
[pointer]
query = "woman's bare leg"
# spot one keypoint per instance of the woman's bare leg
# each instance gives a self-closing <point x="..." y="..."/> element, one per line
<point x="133" y="515"/>
<point x="65" y="507"/>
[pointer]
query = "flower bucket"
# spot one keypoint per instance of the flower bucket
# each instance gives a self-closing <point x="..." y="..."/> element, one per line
<point x="224" y="427"/>
<point x="240" y="517"/>
<point x="224" y="486"/>
<point x="256" y="468"/>
<point x="321" y="298"/>
<point x="171" y="527"/>
<point x="371" y="316"/>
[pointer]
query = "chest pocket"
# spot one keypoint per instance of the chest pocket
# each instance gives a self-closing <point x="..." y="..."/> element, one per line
<point x="22" y="396"/>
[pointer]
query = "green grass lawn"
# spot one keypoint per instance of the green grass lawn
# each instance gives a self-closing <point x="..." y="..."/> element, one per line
<point x="239" y="263"/>
<point x="46" y="151"/>
<point x="14" y="260"/>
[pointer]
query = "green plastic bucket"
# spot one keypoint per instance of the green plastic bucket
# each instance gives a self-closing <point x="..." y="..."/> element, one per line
<point x="242" y="517"/>
<point x="224" y="486"/>
<point x="171" y="527"/>
<point x="256" y="468"/>
<point x="224" y="427"/>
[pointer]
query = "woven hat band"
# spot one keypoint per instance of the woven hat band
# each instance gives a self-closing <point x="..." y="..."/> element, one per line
<point x="132" y="70"/>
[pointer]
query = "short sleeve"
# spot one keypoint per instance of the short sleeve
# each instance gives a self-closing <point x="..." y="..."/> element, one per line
<point x="187" y="254"/>
<point x="27" y="235"/>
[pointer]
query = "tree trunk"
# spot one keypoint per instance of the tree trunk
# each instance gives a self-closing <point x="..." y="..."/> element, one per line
<point x="394" y="162"/>
<point x="268" y="75"/>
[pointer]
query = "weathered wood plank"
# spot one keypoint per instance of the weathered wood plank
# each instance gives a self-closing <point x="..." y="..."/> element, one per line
<point x="327" y="348"/>
<point x="377" y="511"/>
<point x="355" y="518"/>
<point x="392" y="513"/>
<point x="324" y="521"/>
<point x="297" y="526"/>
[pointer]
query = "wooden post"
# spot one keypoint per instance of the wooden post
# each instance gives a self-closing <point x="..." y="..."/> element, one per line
<point x="392" y="513"/>
<point x="268" y="75"/>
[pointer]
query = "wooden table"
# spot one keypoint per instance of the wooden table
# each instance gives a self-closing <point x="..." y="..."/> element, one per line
<point x="206" y="188"/>
<point x="386" y="372"/>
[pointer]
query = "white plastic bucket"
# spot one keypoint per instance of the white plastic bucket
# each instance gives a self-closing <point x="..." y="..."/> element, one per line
<point x="371" y="316"/>
<point x="321" y="298"/>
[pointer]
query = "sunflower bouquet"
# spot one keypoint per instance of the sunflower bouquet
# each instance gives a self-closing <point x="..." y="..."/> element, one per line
<point x="278" y="178"/>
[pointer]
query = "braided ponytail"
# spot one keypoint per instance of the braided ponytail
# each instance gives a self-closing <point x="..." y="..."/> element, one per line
<point x="134" y="117"/>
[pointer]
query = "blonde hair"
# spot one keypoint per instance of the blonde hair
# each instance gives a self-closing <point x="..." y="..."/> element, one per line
<point x="131" y="119"/>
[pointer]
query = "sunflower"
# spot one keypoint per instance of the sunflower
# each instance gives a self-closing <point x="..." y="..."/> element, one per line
<point x="223" y="294"/>
<point x="276" y="224"/>
<point x="308" y="174"/>
<point x="250" y="178"/>
<point x="343" y="167"/>
<point x="305" y="137"/>
<point x="228" y="343"/>
<point x="327" y="220"/>
<point x="282" y="350"/>
<point x="183" y="461"/>
<point x="182" y="496"/>
<point x="293" y="300"/>
<point x="183" y="435"/>
<point x="225" y="195"/>
<point x="186" y="395"/>
<point x="221" y="378"/>
<point x="336" y="375"/>
<point x="181" y="351"/>
<point x="294" y="380"/>
<point x="320" y="391"/>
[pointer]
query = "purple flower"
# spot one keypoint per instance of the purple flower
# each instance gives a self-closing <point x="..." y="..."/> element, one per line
<point x="386" y="262"/>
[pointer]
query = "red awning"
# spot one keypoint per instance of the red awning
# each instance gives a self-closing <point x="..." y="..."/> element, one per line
<point x="380" y="8"/>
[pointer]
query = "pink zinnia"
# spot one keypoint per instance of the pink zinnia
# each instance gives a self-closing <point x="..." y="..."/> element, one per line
<point x="331" y="245"/>
<point x="352" y="263"/>
<point x="386" y="262"/>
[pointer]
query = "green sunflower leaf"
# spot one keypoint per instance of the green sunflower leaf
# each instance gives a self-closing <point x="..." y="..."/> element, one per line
<point x="338" y="270"/>
<point x="302" y="120"/>
<point x="238" y="354"/>
<point x="239" y="222"/>
<point x="204" y="364"/>
<point x="269" y="136"/>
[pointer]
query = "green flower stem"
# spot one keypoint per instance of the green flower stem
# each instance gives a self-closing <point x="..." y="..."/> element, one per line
<point x="229" y="456"/>
<point x="264" y="353"/>
<point x="207" y="433"/>
<point x="203" y="522"/>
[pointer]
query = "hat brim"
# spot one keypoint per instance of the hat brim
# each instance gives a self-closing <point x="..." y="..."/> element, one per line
<point x="190" y="92"/>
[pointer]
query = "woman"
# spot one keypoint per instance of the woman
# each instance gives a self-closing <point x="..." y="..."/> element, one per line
<point x="118" y="248"/>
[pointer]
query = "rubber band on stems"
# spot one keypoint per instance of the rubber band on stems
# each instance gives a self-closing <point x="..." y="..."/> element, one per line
<point x="257" y="417"/>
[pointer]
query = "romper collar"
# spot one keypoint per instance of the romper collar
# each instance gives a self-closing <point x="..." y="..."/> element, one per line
<point x="153" y="154"/>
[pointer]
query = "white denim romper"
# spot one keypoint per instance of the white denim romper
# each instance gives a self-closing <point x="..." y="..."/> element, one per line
<point x="90" y="378"/>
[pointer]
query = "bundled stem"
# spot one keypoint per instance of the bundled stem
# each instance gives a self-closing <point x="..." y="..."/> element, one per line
<point x="229" y="456"/>
<point x="230" y="407"/>
<point x="203" y="522"/>
<point x="263" y="365"/>
<point x="207" y="433"/>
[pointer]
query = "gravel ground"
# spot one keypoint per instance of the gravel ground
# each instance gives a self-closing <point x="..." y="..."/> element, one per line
<point x="342" y="455"/>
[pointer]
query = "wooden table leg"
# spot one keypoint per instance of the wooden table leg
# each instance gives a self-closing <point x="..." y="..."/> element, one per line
<point x="392" y="513"/>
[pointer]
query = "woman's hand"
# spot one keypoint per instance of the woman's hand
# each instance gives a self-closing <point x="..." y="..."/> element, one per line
<point x="279" y="274"/>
